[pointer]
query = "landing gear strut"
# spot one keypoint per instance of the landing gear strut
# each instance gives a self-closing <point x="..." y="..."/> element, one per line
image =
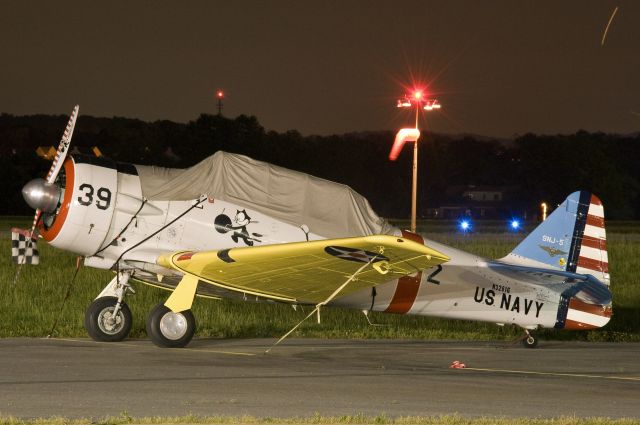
<point x="108" y="318"/>
<point x="530" y="339"/>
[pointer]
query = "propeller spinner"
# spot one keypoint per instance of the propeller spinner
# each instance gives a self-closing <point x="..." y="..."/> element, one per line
<point x="41" y="195"/>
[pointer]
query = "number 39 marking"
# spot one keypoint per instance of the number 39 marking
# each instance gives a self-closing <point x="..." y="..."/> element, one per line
<point x="103" y="194"/>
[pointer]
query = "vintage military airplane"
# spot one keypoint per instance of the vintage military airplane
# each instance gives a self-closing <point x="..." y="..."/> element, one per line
<point x="234" y="227"/>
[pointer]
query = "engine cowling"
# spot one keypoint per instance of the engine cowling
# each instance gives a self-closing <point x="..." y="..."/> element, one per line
<point x="82" y="220"/>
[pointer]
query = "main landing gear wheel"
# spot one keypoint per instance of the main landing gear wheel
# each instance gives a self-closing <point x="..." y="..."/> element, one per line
<point x="168" y="329"/>
<point x="101" y="323"/>
<point x="530" y="340"/>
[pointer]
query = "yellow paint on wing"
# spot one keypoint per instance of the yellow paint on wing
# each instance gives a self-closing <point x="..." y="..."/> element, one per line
<point x="182" y="297"/>
<point x="306" y="272"/>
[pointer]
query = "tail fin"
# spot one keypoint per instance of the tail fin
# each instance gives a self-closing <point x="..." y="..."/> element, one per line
<point x="572" y="239"/>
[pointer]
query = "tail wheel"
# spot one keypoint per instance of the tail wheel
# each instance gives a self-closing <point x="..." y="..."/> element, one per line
<point x="530" y="340"/>
<point x="168" y="329"/>
<point x="103" y="325"/>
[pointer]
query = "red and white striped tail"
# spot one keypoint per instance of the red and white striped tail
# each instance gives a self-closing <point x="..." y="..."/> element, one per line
<point x="593" y="257"/>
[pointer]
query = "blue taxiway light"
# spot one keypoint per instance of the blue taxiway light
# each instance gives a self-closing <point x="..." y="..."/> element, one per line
<point x="465" y="225"/>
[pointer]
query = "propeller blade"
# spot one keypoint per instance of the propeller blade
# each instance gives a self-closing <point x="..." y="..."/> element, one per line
<point x="32" y="233"/>
<point x="63" y="147"/>
<point x="35" y="223"/>
<point x="61" y="154"/>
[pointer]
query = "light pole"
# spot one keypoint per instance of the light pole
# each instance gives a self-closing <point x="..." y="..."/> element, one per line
<point x="220" y="96"/>
<point x="417" y="100"/>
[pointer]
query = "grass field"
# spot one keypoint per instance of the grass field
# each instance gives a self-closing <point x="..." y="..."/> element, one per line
<point x="31" y="306"/>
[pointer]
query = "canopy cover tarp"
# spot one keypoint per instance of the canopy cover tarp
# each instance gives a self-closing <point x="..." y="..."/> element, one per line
<point x="329" y="209"/>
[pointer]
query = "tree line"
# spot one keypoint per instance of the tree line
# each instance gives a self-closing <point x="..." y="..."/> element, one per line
<point x="535" y="167"/>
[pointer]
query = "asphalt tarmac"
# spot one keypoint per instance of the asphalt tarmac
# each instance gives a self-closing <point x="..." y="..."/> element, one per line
<point x="304" y="377"/>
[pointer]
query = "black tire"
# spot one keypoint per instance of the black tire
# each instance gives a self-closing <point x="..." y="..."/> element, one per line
<point x="168" y="329"/>
<point x="96" y="320"/>
<point x="530" y="340"/>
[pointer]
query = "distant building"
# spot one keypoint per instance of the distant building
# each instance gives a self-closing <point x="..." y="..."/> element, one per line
<point x="484" y="194"/>
<point x="479" y="202"/>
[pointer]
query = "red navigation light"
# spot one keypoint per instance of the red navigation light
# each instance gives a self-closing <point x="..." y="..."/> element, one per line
<point x="220" y="94"/>
<point x="417" y="94"/>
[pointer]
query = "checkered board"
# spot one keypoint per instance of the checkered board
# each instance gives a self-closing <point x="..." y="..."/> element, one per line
<point x="23" y="251"/>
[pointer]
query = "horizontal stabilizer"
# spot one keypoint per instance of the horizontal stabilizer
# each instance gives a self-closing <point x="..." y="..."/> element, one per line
<point x="584" y="286"/>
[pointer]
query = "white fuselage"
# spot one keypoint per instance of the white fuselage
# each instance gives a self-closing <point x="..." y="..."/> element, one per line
<point x="465" y="289"/>
<point x="107" y="221"/>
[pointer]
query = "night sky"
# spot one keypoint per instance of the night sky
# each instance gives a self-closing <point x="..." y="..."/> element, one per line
<point x="499" y="68"/>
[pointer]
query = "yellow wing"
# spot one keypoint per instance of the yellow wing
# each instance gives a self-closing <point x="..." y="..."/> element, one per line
<point x="304" y="272"/>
